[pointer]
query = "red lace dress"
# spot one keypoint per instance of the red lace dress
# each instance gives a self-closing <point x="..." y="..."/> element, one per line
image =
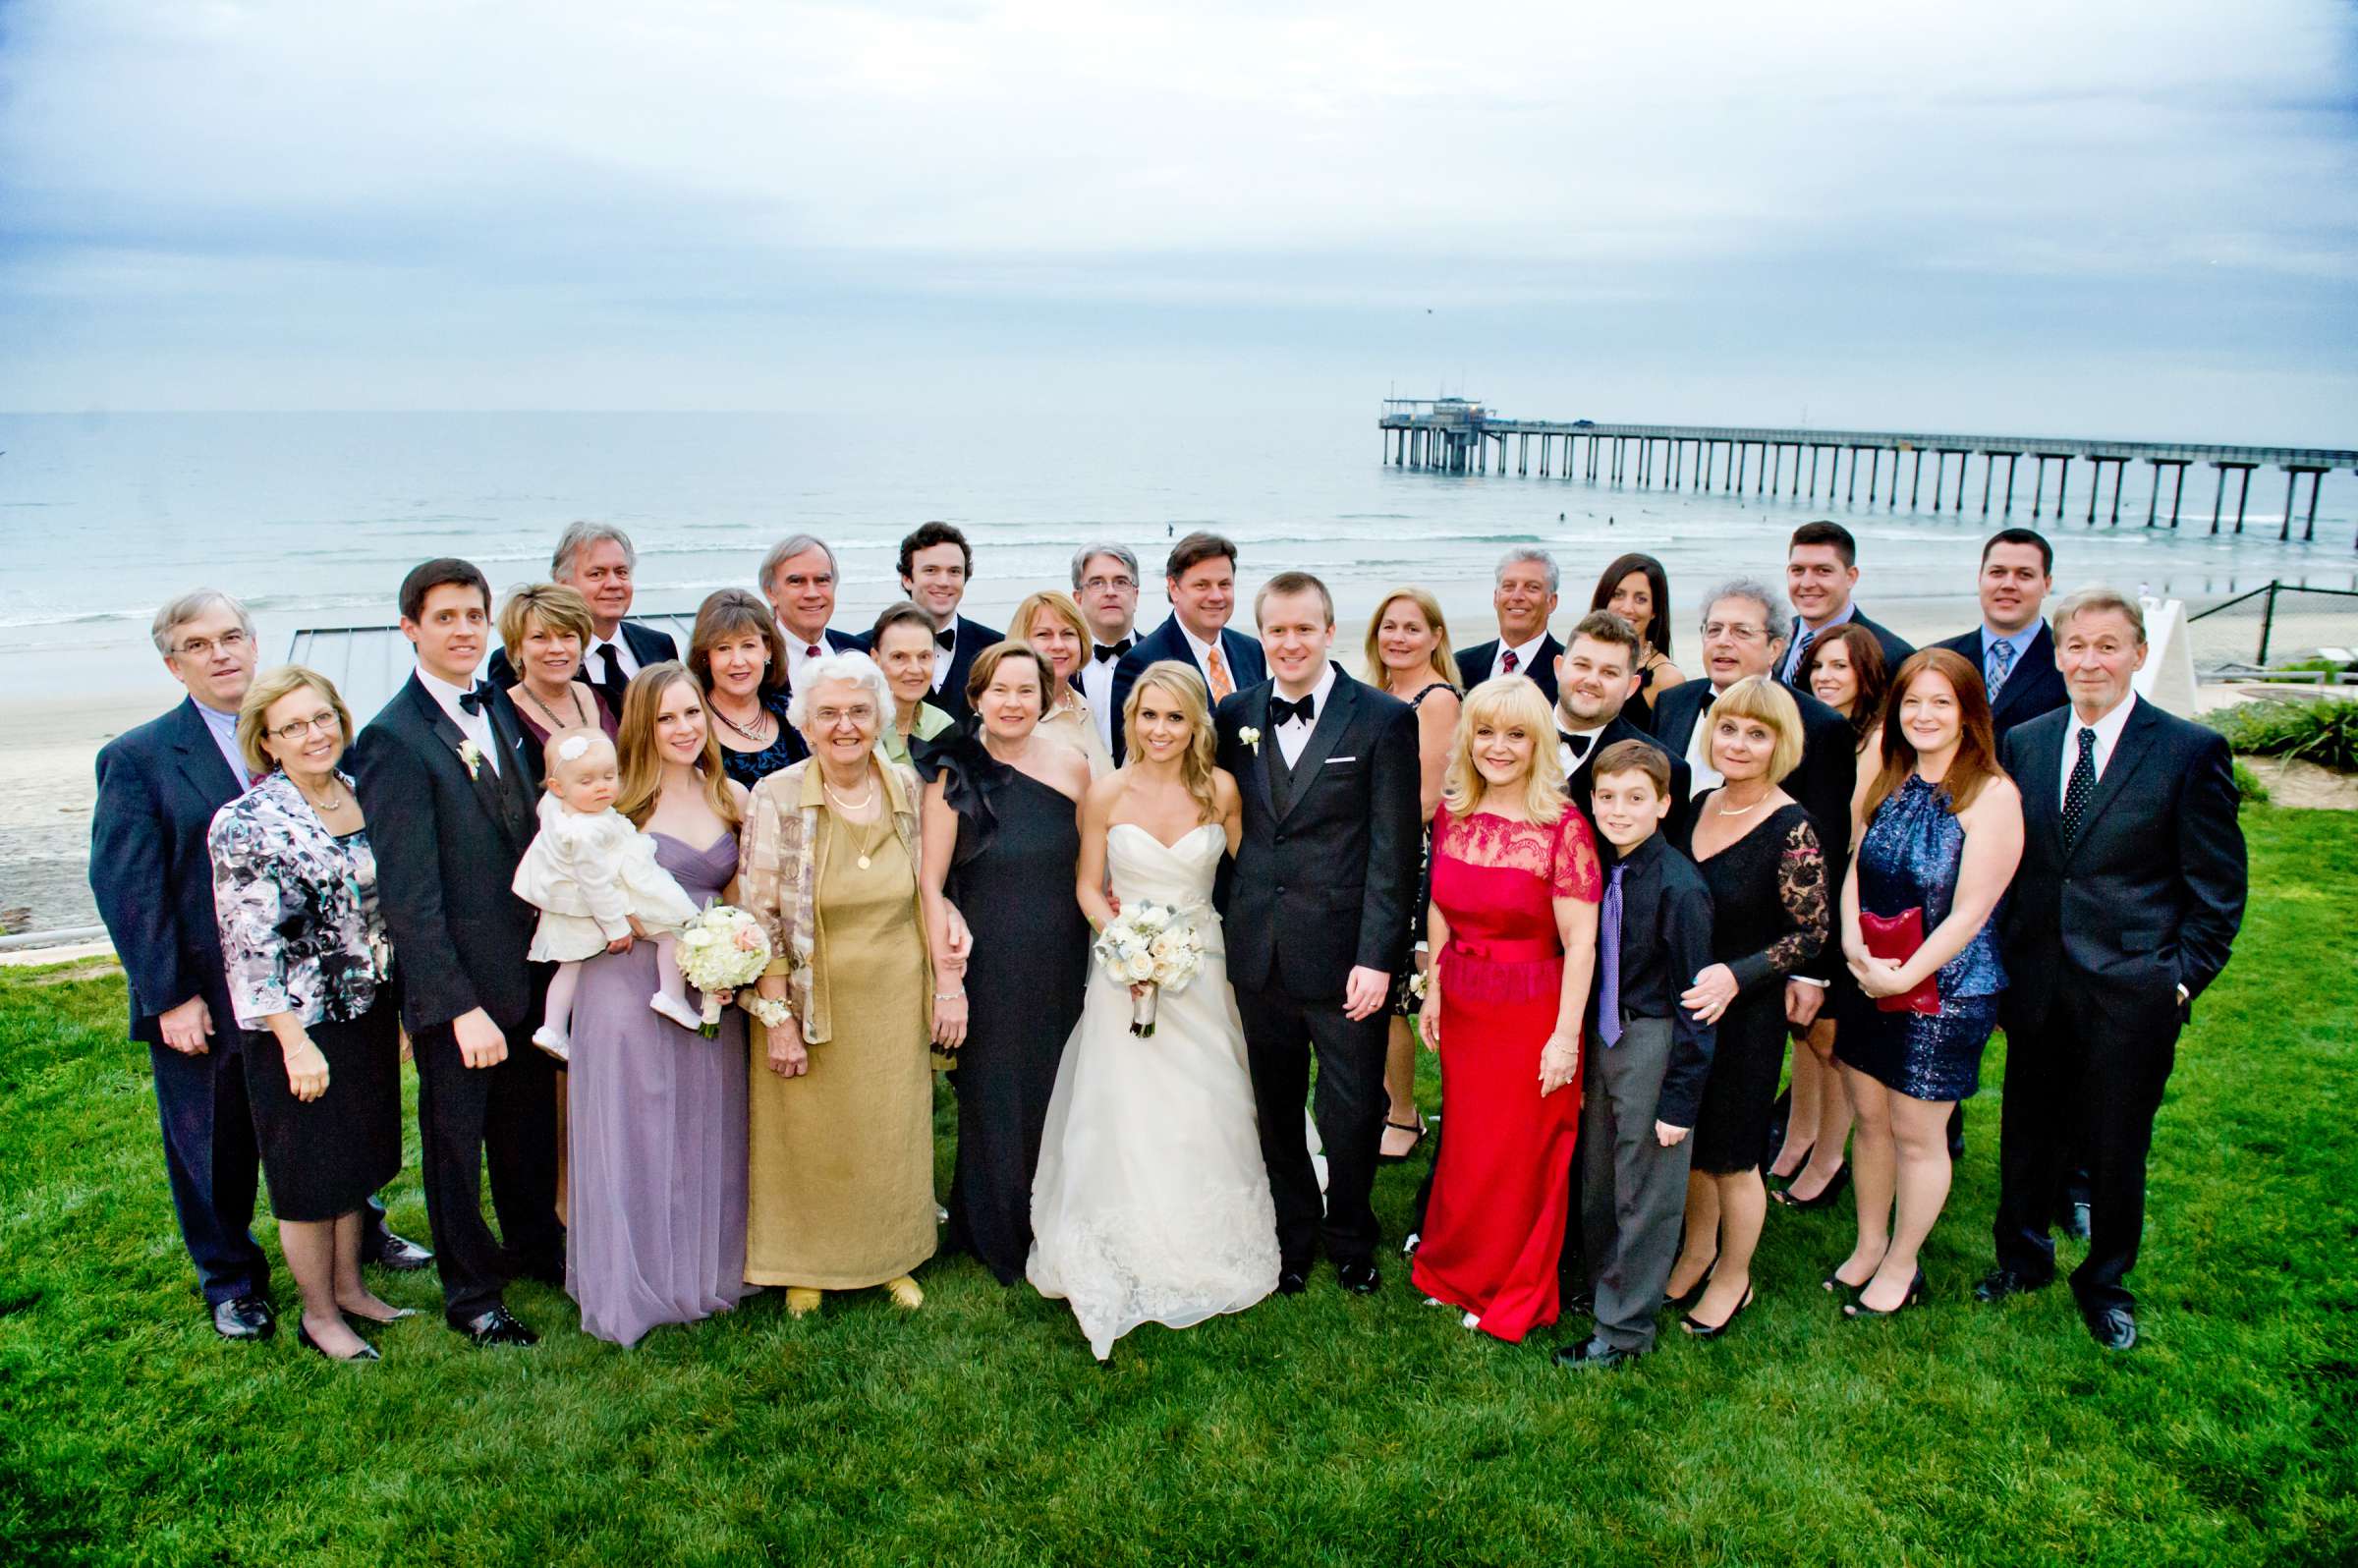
<point x="1503" y="1179"/>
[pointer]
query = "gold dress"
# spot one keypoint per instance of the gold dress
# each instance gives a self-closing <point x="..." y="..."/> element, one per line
<point x="842" y="1157"/>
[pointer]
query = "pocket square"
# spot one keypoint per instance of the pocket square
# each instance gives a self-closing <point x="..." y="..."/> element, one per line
<point x="1330" y="761"/>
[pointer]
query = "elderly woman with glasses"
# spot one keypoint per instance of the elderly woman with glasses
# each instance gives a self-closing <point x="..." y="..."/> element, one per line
<point x="842" y="1095"/>
<point x="311" y="974"/>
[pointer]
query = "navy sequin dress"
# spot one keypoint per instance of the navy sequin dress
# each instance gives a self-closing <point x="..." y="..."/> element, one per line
<point x="1908" y="859"/>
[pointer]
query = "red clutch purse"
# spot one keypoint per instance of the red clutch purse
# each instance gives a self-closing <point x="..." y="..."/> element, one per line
<point x="1896" y="938"/>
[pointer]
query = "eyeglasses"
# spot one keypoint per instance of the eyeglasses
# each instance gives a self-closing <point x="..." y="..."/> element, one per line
<point x="856" y="713"/>
<point x="199" y="647"/>
<point x="1098" y="585"/>
<point x="323" y="722"/>
<point x="1734" y="630"/>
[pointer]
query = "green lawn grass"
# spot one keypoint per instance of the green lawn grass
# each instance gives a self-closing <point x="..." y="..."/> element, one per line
<point x="1315" y="1429"/>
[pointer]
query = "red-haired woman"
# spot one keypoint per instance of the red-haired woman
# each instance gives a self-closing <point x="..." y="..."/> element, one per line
<point x="1942" y="833"/>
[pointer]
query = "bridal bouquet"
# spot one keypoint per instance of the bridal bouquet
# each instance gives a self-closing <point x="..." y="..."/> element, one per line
<point x="1152" y="947"/>
<point x="723" y="949"/>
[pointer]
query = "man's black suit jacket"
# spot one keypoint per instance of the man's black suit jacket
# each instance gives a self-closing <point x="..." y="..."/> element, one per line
<point x="1326" y="868"/>
<point x="1895" y="647"/>
<point x="151" y="868"/>
<point x="646" y="645"/>
<point x="1473" y="664"/>
<point x="446" y="849"/>
<point x="1823" y="783"/>
<point x="2149" y="896"/>
<point x="1581" y="784"/>
<point x="2035" y="685"/>
<point x="1245" y="666"/>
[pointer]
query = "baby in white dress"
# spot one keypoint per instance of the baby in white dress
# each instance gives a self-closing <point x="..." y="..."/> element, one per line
<point x="594" y="881"/>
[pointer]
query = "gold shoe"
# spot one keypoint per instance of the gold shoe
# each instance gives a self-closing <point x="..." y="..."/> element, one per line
<point x="801" y="1301"/>
<point x="905" y="1292"/>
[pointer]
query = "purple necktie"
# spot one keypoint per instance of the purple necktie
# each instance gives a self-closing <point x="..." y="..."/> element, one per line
<point x="1609" y="944"/>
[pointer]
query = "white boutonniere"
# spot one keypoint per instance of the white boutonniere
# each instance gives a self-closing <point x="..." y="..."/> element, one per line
<point x="1251" y="737"/>
<point x="473" y="755"/>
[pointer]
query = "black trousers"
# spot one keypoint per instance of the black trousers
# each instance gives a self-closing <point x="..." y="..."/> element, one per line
<point x="1280" y="1032"/>
<point x="2082" y="1082"/>
<point x="507" y="1115"/>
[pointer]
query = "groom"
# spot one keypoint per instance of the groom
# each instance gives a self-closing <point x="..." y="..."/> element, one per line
<point x="1317" y="917"/>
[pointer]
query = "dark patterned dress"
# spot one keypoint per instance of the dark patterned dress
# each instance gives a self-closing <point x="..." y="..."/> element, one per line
<point x="1768" y="909"/>
<point x="1908" y="859"/>
<point x="1405" y="1001"/>
<point x="750" y="768"/>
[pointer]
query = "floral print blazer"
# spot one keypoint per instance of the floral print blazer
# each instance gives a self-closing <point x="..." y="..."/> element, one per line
<point x="778" y="875"/>
<point x="300" y="928"/>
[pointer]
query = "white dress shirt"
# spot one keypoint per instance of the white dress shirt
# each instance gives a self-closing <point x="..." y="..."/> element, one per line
<point x="476" y="727"/>
<point x="1201" y="651"/>
<point x="1563" y="747"/>
<point x="1524" y="656"/>
<point x="944" y="657"/>
<point x="224" y="729"/>
<point x="2108" y="735"/>
<point x="594" y="662"/>
<point x="1293" y="735"/>
<point x="1699" y="754"/>
<point x="1096" y="688"/>
<point x="798" y="651"/>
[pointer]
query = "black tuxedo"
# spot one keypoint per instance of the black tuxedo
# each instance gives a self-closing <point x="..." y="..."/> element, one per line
<point x="2097" y="937"/>
<point x="1245" y="666"/>
<point x="1823" y="783"/>
<point x="1473" y="664"/>
<point x="1324" y="877"/>
<point x="2035" y="685"/>
<point x="1895" y="647"/>
<point x="151" y="872"/>
<point x="447" y="845"/>
<point x="646" y="645"/>
<point x="1581" y="783"/>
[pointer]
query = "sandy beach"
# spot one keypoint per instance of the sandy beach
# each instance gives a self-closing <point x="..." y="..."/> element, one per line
<point x="52" y="744"/>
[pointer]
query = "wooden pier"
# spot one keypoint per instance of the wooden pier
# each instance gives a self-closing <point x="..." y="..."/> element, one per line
<point x="1458" y="435"/>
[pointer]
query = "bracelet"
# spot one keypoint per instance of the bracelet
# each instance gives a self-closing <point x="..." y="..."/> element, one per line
<point x="949" y="996"/>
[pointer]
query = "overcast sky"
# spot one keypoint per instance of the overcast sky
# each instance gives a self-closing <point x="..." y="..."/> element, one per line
<point x="2097" y="217"/>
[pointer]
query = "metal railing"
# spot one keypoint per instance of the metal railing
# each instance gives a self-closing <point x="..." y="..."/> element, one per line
<point x="2286" y="619"/>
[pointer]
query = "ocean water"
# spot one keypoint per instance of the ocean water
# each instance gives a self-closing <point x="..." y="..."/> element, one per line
<point x="314" y="518"/>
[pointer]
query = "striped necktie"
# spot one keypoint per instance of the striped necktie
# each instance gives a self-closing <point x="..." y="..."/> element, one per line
<point x="1997" y="664"/>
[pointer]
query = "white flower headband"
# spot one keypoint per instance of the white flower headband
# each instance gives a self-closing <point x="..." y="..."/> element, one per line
<point x="572" y="747"/>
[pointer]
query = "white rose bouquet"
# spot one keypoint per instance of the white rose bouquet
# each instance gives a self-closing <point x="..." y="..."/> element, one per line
<point x="723" y="949"/>
<point x="1150" y="948"/>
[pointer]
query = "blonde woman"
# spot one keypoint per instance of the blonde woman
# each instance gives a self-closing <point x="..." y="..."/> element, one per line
<point x="1053" y="624"/>
<point x="1766" y="873"/>
<point x="542" y="629"/>
<point x="1513" y="926"/>
<point x="1408" y="655"/>
<point x="1152" y="1202"/>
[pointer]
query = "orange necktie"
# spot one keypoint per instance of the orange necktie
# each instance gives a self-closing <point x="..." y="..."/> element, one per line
<point x="1222" y="688"/>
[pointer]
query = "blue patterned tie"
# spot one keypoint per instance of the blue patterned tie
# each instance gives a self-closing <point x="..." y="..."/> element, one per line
<point x="1998" y="663"/>
<point x="1803" y="637"/>
<point x="1609" y="942"/>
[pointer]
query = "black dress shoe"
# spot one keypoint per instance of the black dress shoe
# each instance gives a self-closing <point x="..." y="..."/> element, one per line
<point x="2000" y="1283"/>
<point x="1291" y="1282"/>
<point x="1359" y="1276"/>
<point x="1828" y="1196"/>
<point x="1858" y="1308"/>
<point x="1703" y="1330"/>
<point x="244" y="1317"/>
<point x="498" y="1327"/>
<point x="367" y="1352"/>
<point x="2072" y="1220"/>
<point x="1594" y="1356"/>
<point x="2113" y="1327"/>
<point x="400" y="1254"/>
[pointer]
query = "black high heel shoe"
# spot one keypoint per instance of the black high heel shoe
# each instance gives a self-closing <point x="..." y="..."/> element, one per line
<point x="1702" y="1330"/>
<point x="1769" y="1171"/>
<point x="1693" y="1293"/>
<point x="367" y="1352"/>
<point x="1914" y="1295"/>
<point x="1827" y="1195"/>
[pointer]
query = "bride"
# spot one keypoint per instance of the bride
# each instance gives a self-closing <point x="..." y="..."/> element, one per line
<point x="1151" y="1205"/>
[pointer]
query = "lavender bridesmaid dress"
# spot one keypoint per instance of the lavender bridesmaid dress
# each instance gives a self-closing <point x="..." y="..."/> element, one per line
<point x="656" y="1115"/>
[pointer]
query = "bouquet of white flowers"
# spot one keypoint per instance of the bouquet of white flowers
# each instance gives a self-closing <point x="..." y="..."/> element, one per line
<point x="1151" y="948"/>
<point x="723" y="949"/>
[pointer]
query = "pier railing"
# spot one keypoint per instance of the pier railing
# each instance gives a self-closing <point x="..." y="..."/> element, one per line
<point x="2292" y="621"/>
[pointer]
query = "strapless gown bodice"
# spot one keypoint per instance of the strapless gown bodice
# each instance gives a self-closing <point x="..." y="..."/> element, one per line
<point x="1142" y="866"/>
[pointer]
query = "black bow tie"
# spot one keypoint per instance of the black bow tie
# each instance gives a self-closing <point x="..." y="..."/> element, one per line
<point x="1580" y="745"/>
<point x="1306" y="709"/>
<point x="946" y="639"/>
<point x="474" y="698"/>
<point x="1113" y="649"/>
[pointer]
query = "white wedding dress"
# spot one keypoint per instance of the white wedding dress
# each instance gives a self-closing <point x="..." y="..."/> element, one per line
<point x="1151" y="1205"/>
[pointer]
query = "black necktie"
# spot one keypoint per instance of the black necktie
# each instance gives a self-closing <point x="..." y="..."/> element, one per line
<point x="471" y="699"/>
<point x="2082" y="785"/>
<point x="1280" y="710"/>
<point x="614" y="683"/>
<point x="945" y="641"/>
<point x="1113" y="649"/>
